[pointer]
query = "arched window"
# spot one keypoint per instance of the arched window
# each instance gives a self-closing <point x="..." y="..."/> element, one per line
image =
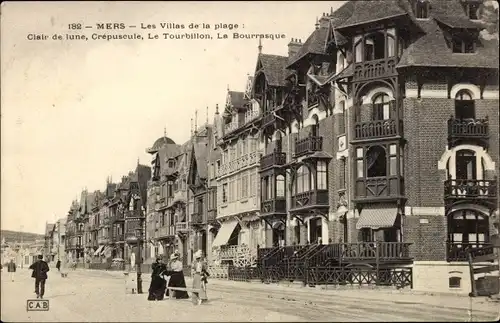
<point x="381" y="107"/>
<point x="322" y="175"/>
<point x="376" y="162"/>
<point x="280" y="186"/>
<point x="464" y="105"/>
<point x="422" y="9"/>
<point x="466" y="167"/>
<point x="303" y="182"/>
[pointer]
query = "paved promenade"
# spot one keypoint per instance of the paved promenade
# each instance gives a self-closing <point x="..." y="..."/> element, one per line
<point x="97" y="296"/>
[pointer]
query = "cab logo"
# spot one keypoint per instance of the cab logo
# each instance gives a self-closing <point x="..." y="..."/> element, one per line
<point x="37" y="305"/>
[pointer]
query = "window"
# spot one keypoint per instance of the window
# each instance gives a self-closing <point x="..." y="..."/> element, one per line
<point x="244" y="185"/>
<point x="454" y="282"/>
<point x="376" y="162"/>
<point x="218" y="166"/>
<point x="244" y="147"/>
<point x="393" y="160"/>
<point x="232" y="152"/>
<point x="253" y="145"/>
<point x="342" y="121"/>
<point x="467" y="228"/>
<point x="224" y="193"/>
<point x="280" y="186"/>
<point x="381" y="107"/>
<point x="422" y="9"/>
<point x="171" y="163"/>
<point x="463" y="45"/>
<point x="303" y="180"/>
<point x="253" y="184"/>
<point x="269" y="188"/>
<point x="374" y="47"/>
<point x="466" y="165"/>
<point x="472" y="10"/>
<point x="464" y="105"/>
<point x="391" y="42"/>
<point x="322" y="175"/>
<point x="360" y="170"/>
<point x="343" y="174"/>
<point x="315" y="126"/>
<point x="170" y="190"/>
<point x="367" y="235"/>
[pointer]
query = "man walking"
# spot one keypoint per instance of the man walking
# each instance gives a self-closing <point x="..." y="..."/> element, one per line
<point x="11" y="268"/>
<point x="40" y="269"/>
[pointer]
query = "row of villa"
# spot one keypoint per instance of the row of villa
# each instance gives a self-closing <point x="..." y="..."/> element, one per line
<point x="373" y="145"/>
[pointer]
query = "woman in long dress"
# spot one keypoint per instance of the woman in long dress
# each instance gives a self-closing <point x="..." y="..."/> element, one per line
<point x="177" y="277"/>
<point x="158" y="283"/>
<point x="199" y="274"/>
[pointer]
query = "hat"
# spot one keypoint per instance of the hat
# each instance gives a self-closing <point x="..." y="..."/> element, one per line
<point x="174" y="256"/>
<point x="197" y="254"/>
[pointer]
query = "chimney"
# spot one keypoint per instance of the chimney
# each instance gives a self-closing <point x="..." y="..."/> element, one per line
<point x="324" y="21"/>
<point x="293" y="47"/>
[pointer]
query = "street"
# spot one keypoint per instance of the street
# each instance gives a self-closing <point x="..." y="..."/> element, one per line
<point x="97" y="296"/>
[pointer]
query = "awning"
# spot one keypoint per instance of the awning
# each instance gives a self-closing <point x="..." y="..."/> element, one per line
<point x="225" y="232"/>
<point x="98" y="251"/>
<point x="377" y="216"/>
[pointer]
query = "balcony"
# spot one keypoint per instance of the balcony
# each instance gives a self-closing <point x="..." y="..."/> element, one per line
<point x="310" y="199"/>
<point x="181" y="227"/>
<point x="308" y="145"/>
<point x="275" y="206"/>
<point x="239" y="163"/>
<point x="458" y="251"/>
<point x="118" y="216"/>
<point x="379" y="68"/>
<point x="197" y="218"/>
<point x="273" y="159"/>
<point x="377" y="129"/>
<point x="165" y="231"/>
<point x="467" y="130"/>
<point x="470" y="189"/>
<point x="379" y="188"/>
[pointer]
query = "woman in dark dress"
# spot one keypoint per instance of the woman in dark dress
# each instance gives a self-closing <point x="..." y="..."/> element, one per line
<point x="177" y="277"/>
<point x="158" y="283"/>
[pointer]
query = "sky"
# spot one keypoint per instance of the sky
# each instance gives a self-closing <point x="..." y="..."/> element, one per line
<point x="74" y="112"/>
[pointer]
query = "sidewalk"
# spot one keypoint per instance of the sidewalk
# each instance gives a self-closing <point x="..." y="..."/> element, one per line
<point x="452" y="301"/>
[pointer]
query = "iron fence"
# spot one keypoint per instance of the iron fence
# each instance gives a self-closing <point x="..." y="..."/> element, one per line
<point x="325" y="275"/>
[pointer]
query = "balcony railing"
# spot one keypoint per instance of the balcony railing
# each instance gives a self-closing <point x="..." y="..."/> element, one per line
<point x="375" y="69"/>
<point x="181" y="227"/>
<point x="166" y="231"/>
<point x="458" y="251"/>
<point x="310" y="199"/>
<point x="277" y="205"/>
<point x="308" y="145"/>
<point x="470" y="189"/>
<point x="273" y="159"/>
<point x="377" y="129"/>
<point x="376" y="188"/>
<point x="239" y="163"/>
<point x="133" y="214"/>
<point x="197" y="218"/>
<point x="459" y="129"/>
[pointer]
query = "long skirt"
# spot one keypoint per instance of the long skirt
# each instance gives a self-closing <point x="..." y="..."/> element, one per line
<point x="177" y="280"/>
<point x="157" y="288"/>
<point x="197" y="284"/>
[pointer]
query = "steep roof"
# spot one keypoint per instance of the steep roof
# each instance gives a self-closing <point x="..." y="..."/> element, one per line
<point x="234" y="101"/>
<point x="338" y="17"/>
<point x="315" y="44"/>
<point x="274" y="68"/>
<point x="432" y="50"/>
<point x="373" y="10"/>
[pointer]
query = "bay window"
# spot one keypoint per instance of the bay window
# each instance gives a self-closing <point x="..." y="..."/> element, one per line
<point x="322" y="175"/>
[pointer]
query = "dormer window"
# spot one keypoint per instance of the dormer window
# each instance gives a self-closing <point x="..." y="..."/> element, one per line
<point x="471" y="10"/>
<point x="465" y="46"/>
<point x="422" y="9"/>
